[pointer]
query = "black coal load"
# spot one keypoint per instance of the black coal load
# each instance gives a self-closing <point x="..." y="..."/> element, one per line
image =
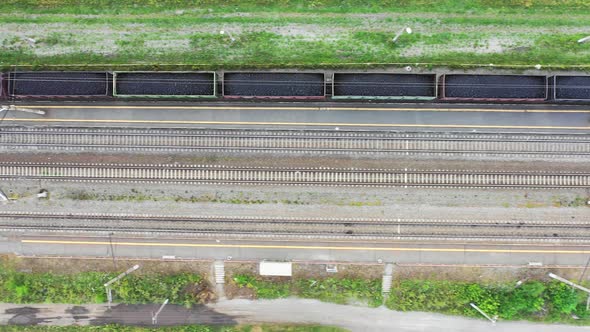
<point x="59" y="84"/>
<point x="384" y="85"/>
<point x="572" y="87"/>
<point x="495" y="86"/>
<point x="165" y="84"/>
<point x="296" y="85"/>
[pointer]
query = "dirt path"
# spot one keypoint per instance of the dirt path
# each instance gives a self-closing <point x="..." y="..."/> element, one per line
<point x="229" y="312"/>
<point x="367" y="319"/>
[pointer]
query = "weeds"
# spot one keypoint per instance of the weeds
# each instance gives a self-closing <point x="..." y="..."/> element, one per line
<point x="87" y="287"/>
<point x="533" y="300"/>
<point x="336" y="290"/>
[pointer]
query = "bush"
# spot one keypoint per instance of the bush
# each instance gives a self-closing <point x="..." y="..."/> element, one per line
<point x="562" y="298"/>
<point x="442" y="296"/>
<point x="526" y="299"/>
<point x="264" y="289"/>
<point x="341" y="291"/>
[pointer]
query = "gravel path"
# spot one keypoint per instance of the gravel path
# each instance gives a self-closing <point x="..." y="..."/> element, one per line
<point x="367" y="319"/>
<point x="297" y="311"/>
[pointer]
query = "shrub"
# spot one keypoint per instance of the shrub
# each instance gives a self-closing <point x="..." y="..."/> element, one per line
<point x="562" y="298"/>
<point x="336" y="290"/>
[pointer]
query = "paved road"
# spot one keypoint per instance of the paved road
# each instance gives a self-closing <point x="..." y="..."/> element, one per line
<point x="313" y="250"/>
<point x="356" y="319"/>
<point x="313" y="115"/>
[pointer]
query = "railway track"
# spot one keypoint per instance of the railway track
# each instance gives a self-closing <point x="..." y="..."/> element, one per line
<point x="293" y="141"/>
<point x="383" y="228"/>
<point x="208" y="174"/>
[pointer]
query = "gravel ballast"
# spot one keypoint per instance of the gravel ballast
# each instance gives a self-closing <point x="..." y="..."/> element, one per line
<point x="384" y="85"/>
<point x="459" y="86"/>
<point x="299" y="201"/>
<point x="295" y="85"/>
<point x="62" y="84"/>
<point x="165" y="84"/>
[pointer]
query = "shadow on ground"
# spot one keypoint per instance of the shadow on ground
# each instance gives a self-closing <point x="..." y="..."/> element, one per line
<point x="141" y="314"/>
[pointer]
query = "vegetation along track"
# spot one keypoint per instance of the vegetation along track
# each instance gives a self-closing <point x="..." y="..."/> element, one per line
<point x="351" y="227"/>
<point x="216" y="174"/>
<point x="294" y="141"/>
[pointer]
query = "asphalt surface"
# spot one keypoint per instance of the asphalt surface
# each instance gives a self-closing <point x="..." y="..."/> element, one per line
<point x="274" y="248"/>
<point x="296" y="311"/>
<point x="335" y="116"/>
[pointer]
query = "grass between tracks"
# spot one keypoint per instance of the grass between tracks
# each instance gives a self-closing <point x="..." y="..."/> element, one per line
<point x="146" y="34"/>
<point x="533" y="300"/>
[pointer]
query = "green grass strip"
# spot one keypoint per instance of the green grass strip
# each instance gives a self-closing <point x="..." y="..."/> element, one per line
<point x="87" y="287"/>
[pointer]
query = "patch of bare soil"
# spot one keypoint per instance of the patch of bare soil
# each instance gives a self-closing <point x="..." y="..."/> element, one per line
<point x="232" y="291"/>
<point x="77" y="265"/>
<point x="467" y="274"/>
<point x="356" y="271"/>
<point x="485" y="275"/>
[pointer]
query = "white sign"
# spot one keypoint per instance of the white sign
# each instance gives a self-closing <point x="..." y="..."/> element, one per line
<point x="282" y="269"/>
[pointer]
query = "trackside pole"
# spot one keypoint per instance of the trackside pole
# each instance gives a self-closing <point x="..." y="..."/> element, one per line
<point x="483" y="313"/>
<point x="155" y="316"/>
<point x="117" y="278"/>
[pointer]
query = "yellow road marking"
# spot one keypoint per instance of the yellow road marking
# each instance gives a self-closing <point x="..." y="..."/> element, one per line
<point x="260" y="246"/>
<point x="303" y="108"/>
<point x="325" y="124"/>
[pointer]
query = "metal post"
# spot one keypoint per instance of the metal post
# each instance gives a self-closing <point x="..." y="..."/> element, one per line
<point x="222" y="32"/>
<point x="21" y="109"/>
<point x="400" y="33"/>
<point x="112" y="250"/>
<point x="109" y="296"/>
<point x="155" y="316"/>
<point x="584" y="271"/>
<point x="3" y="197"/>
<point x="117" y="278"/>
<point x="556" y="277"/>
<point x="483" y="313"/>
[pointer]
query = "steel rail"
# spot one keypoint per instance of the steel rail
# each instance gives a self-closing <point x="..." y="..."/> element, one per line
<point x="51" y="146"/>
<point x="291" y="176"/>
<point x="425" y="228"/>
<point x="291" y="141"/>
<point x="293" y="220"/>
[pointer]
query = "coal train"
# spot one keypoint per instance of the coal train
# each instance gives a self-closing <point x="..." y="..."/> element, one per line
<point x="54" y="85"/>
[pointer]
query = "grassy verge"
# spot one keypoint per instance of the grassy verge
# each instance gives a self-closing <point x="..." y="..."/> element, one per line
<point x="336" y="290"/>
<point x="188" y="328"/>
<point x="87" y="287"/>
<point x="179" y="34"/>
<point x="149" y="6"/>
<point x="533" y="300"/>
